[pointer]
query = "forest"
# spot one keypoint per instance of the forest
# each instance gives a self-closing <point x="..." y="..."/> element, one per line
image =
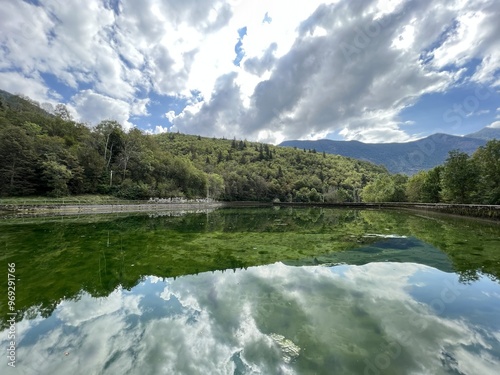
<point x="462" y="179"/>
<point x="49" y="154"/>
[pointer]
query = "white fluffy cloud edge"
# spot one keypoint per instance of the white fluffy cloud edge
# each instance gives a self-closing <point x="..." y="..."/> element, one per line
<point x="308" y="69"/>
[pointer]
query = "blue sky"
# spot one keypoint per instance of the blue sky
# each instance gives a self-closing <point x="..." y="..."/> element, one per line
<point x="374" y="71"/>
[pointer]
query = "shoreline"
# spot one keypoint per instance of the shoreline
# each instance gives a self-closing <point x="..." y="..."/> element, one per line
<point x="487" y="212"/>
<point x="476" y="211"/>
<point x="7" y="211"/>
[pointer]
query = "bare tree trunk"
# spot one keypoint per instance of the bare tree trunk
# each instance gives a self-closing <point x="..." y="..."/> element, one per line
<point x="110" y="156"/>
<point x="106" y="147"/>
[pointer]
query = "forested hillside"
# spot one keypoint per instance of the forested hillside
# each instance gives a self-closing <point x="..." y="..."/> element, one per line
<point x="49" y="154"/>
<point x="461" y="179"/>
<point x="406" y="157"/>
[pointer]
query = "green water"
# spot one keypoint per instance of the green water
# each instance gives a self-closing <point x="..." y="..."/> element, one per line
<point x="252" y="291"/>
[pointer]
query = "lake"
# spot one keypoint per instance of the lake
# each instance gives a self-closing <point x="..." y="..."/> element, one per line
<point x="251" y="291"/>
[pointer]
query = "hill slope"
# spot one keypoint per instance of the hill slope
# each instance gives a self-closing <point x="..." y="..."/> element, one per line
<point x="45" y="154"/>
<point x="408" y="158"/>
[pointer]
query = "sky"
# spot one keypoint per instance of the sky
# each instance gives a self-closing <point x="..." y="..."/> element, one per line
<point x="370" y="70"/>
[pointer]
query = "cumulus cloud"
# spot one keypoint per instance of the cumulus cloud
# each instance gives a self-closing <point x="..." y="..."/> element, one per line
<point x="345" y="67"/>
<point x="353" y="67"/>
<point x="32" y="86"/>
<point x="220" y="116"/>
<point x="258" y="66"/>
<point x="92" y="108"/>
<point x="114" y="52"/>
<point x="160" y="129"/>
<point x="495" y="125"/>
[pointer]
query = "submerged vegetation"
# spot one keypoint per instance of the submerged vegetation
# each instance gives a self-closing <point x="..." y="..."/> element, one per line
<point x="97" y="254"/>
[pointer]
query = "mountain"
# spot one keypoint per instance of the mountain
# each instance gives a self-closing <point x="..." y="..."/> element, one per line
<point x="408" y="157"/>
<point x="486" y="134"/>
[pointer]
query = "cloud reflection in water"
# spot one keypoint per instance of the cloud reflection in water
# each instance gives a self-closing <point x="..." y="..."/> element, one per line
<point x="379" y="318"/>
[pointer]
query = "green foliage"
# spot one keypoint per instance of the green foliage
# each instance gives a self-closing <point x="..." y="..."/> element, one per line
<point x="254" y="171"/>
<point x="385" y="188"/>
<point x="462" y="179"/>
<point x="57" y="177"/>
<point x="431" y="189"/>
<point x="414" y="187"/>
<point x="51" y="155"/>
<point x="458" y="179"/>
<point x="487" y="161"/>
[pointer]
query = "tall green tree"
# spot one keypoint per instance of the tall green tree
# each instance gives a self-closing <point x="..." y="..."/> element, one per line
<point x="487" y="160"/>
<point x="17" y="161"/>
<point x="57" y="176"/>
<point x="459" y="178"/>
<point x="385" y="188"/>
<point x="431" y="189"/>
<point x="415" y="187"/>
<point x="110" y="140"/>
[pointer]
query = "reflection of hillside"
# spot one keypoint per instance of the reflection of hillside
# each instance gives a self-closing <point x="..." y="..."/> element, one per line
<point x="395" y="250"/>
<point x="59" y="259"/>
<point x="473" y="246"/>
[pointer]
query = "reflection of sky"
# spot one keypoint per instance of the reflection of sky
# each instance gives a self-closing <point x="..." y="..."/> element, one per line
<point x="387" y="318"/>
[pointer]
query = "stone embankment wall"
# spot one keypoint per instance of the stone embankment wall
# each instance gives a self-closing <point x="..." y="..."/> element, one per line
<point x="472" y="210"/>
<point x="70" y="209"/>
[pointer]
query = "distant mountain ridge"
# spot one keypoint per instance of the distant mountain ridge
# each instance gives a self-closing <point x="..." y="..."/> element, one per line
<point x="408" y="158"/>
<point x="486" y="134"/>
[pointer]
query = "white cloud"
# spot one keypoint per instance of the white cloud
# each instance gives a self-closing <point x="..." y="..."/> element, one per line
<point x="32" y="86"/>
<point x="494" y="125"/>
<point x="170" y="115"/>
<point x="478" y="113"/>
<point x="160" y="129"/>
<point x="314" y="69"/>
<point x="93" y="108"/>
<point x="316" y="88"/>
<point x="141" y="47"/>
<point x="75" y="313"/>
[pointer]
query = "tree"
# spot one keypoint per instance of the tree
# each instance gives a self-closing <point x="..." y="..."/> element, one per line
<point x="131" y="147"/>
<point x="62" y="112"/>
<point x="487" y="160"/>
<point x="385" y="188"/>
<point x="399" y="194"/>
<point x="94" y="167"/>
<point x="57" y="177"/>
<point x="17" y="162"/>
<point x="215" y="184"/>
<point x="46" y="154"/>
<point x="414" y="187"/>
<point x="431" y="188"/>
<point x="110" y="136"/>
<point x="458" y="178"/>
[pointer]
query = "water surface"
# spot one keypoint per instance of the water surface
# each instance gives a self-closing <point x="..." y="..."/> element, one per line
<point x="254" y="291"/>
